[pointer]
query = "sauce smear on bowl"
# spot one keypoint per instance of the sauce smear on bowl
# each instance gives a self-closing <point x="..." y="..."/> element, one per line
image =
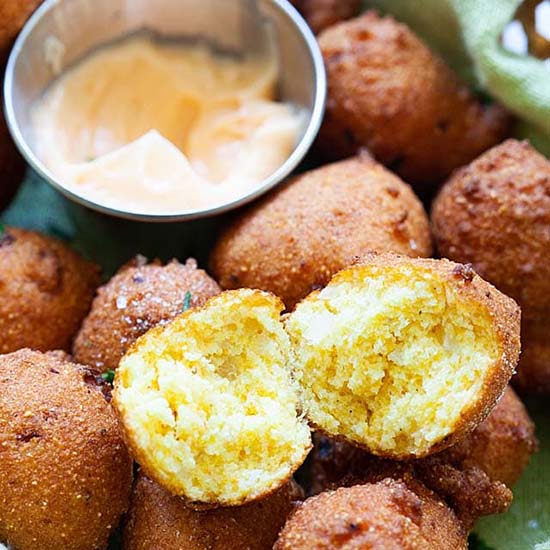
<point x="150" y="127"/>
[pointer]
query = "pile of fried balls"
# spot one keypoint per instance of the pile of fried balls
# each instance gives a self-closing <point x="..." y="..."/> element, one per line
<point x="341" y="335"/>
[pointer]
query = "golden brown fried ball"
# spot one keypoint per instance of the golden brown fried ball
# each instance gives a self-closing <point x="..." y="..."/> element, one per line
<point x="65" y="474"/>
<point x="46" y="291"/>
<point x="321" y="14"/>
<point x="495" y="214"/>
<point x="388" y="92"/>
<point x="137" y="298"/>
<point x="209" y="405"/>
<point x="440" y="343"/>
<point x="473" y="476"/>
<point x="162" y="521"/>
<point x="387" y="515"/>
<point x="294" y="240"/>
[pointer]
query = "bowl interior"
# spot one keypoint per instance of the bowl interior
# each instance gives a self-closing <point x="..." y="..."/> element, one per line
<point x="62" y="32"/>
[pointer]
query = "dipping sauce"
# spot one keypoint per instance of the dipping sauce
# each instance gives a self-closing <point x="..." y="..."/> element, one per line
<point x="157" y="128"/>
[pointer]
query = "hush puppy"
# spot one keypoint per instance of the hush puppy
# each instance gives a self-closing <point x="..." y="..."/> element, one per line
<point x="46" y="289"/>
<point x="137" y="298"/>
<point x="440" y="343"/>
<point x="387" y="515"/>
<point x="209" y="407"/>
<point x="321" y="14"/>
<point x="65" y="473"/>
<point x="389" y="93"/>
<point x="495" y="214"/>
<point x="162" y="521"/>
<point x="473" y="476"/>
<point x="294" y="240"/>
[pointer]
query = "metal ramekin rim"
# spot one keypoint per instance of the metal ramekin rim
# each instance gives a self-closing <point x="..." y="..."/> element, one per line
<point x="273" y="180"/>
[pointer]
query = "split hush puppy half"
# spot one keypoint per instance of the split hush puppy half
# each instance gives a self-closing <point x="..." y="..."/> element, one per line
<point x="208" y="403"/>
<point x="386" y="515"/>
<point x="162" y="521"/>
<point x="389" y="93"/>
<point x="495" y="214"/>
<point x="46" y="290"/>
<point x="321" y="14"/>
<point x="294" y="240"/>
<point x="139" y="297"/>
<point x="65" y="473"/>
<point x="403" y="356"/>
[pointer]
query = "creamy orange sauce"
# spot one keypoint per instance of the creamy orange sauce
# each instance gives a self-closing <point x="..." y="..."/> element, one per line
<point x="154" y="128"/>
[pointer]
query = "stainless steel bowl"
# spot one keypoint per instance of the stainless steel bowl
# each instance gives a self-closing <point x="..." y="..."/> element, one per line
<point x="61" y="32"/>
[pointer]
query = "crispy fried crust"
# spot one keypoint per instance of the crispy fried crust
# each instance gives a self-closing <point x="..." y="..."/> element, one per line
<point x="388" y="92"/>
<point x="468" y="491"/>
<point x="321" y="14"/>
<point x="46" y="290"/>
<point x="136" y="299"/>
<point x="495" y="214"/>
<point x="65" y="474"/>
<point x="161" y="521"/>
<point x="294" y="240"/>
<point x="505" y="316"/>
<point x="473" y="477"/>
<point x="385" y="515"/>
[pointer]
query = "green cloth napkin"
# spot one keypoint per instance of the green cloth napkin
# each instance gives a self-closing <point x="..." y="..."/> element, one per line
<point x="466" y="33"/>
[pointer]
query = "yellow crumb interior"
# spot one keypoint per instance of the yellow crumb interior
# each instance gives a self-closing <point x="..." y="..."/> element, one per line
<point x="391" y="358"/>
<point x="209" y="400"/>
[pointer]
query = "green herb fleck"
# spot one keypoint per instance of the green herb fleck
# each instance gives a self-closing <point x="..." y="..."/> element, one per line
<point x="187" y="302"/>
<point x="108" y="376"/>
<point x="2" y="229"/>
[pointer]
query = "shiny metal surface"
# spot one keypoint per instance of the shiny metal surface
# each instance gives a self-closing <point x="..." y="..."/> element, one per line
<point x="61" y="32"/>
